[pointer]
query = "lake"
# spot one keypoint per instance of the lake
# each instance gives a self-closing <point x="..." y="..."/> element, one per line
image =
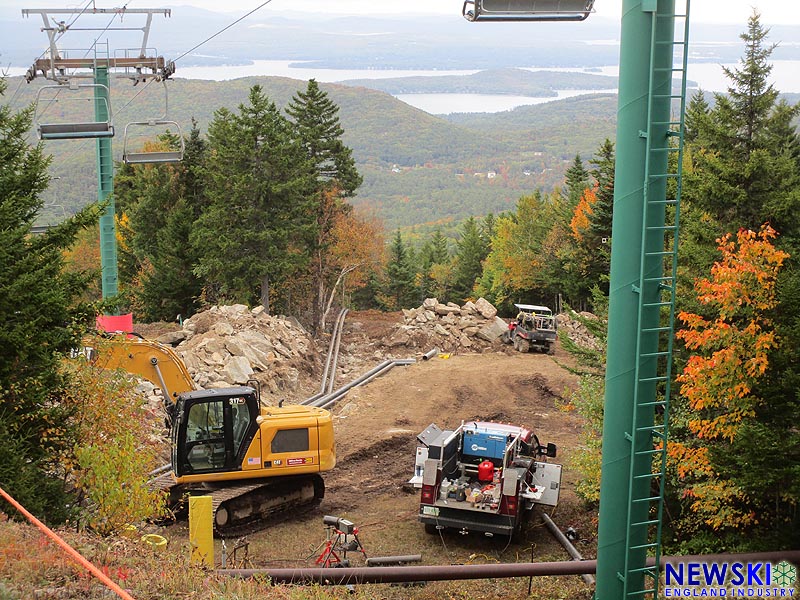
<point x="785" y="76"/>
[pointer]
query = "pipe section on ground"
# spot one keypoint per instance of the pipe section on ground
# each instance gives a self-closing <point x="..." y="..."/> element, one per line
<point x="351" y="575"/>
<point x="562" y="539"/>
<point x="330" y="399"/>
<point x="430" y="354"/>
<point x="392" y="560"/>
<point x="333" y="347"/>
<point x="337" y="340"/>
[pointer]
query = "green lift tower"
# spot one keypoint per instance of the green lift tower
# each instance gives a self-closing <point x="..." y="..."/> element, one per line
<point x="138" y="64"/>
<point x="651" y="106"/>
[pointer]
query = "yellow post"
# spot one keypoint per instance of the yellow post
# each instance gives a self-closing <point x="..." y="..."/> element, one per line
<point x="201" y="531"/>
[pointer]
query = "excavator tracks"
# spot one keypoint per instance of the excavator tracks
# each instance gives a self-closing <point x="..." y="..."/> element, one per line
<point x="248" y="507"/>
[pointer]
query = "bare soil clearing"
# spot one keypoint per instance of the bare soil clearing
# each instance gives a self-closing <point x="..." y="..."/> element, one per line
<point x="376" y="427"/>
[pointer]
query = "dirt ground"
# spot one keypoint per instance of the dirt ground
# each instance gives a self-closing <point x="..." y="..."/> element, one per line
<point x="376" y="427"/>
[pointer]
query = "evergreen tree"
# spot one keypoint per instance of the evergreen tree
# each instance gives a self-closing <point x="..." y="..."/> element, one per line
<point x="471" y="251"/>
<point x="434" y="253"/>
<point x="744" y="173"/>
<point x="600" y="219"/>
<point x="41" y="320"/>
<point x="576" y="180"/>
<point x="317" y="127"/>
<point x="697" y="112"/>
<point x="158" y="205"/>
<point x="400" y="288"/>
<point x="260" y="187"/>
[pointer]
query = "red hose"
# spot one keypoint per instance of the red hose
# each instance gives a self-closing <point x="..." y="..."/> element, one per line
<point x="68" y="549"/>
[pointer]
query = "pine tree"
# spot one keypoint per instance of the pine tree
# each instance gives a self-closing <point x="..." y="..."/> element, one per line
<point x="317" y="127"/>
<point x="471" y="251"/>
<point x="697" y="112"/>
<point x="158" y="205"/>
<point x="744" y="171"/>
<point x="600" y="219"/>
<point x="576" y="180"/>
<point x="434" y="254"/>
<point x="260" y="186"/>
<point x="41" y="320"/>
<point x="400" y="289"/>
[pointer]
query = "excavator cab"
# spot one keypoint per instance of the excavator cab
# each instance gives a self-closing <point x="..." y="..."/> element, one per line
<point x="213" y="429"/>
<point x="527" y="10"/>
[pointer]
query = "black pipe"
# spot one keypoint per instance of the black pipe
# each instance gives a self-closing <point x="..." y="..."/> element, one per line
<point x="562" y="539"/>
<point x="492" y="571"/>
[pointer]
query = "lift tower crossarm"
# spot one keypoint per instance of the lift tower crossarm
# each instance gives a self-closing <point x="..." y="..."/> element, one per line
<point x="54" y="66"/>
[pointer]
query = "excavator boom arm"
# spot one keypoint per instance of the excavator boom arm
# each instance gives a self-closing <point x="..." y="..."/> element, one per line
<point x="150" y="360"/>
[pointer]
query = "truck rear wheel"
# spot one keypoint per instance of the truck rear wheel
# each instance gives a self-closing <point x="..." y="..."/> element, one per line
<point x="430" y="528"/>
<point x="522" y="345"/>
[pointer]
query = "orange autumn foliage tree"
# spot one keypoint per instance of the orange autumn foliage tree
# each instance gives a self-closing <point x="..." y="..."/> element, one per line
<point x="731" y="354"/>
<point x="580" y="217"/>
<point x="356" y="250"/>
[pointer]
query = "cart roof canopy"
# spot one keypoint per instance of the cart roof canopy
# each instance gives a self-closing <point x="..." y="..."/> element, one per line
<point x="533" y="307"/>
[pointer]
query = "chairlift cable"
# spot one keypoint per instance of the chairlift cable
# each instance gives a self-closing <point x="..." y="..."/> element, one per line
<point x="43" y="52"/>
<point x="208" y="39"/>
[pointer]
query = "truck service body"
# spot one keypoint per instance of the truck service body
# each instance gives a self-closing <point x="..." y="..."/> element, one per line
<point x="483" y="477"/>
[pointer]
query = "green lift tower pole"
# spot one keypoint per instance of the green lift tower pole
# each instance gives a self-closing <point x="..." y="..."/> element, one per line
<point x="105" y="187"/>
<point x="134" y="64"/>
<point x="641" y="299"/>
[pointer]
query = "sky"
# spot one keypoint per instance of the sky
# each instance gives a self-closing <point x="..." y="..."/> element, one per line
<point x="773" y="12"/>
<point x="783" y="12"/>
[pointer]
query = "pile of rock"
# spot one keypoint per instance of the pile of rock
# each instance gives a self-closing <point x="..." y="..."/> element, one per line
<point x="449" y="327"/>
<point x="229" y="345"/>
<point x="576" y="331"/>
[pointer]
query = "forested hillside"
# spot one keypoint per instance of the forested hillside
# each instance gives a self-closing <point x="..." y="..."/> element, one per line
<point x="417" y="167"/>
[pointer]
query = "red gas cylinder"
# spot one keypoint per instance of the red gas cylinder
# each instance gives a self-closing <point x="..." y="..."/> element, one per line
<point x="485" y="470"/>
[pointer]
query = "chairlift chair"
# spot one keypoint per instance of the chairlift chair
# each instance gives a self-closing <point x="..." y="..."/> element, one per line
<point x="143" y="156"/>
<point x="152" y="156"/>
<point x="527" y="10"/>
<point x="74" y="130"/>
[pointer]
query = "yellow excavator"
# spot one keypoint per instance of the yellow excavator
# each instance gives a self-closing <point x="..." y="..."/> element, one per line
<point x="254" y="461"/>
